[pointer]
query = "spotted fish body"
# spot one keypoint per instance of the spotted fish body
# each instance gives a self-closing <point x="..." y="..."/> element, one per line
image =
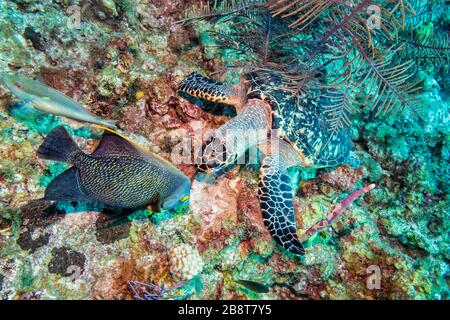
<point x="122" y="180"/>
<point x="116" y="173"/>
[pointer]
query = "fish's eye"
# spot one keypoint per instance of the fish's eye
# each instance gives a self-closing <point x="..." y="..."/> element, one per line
<point x="18" y="85"/>
<point x="185" y="198"/>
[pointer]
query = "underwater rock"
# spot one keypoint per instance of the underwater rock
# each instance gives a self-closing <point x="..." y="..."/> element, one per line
<point x="215" y="208"/>
<point x="171" y="121"/>
<point x="111" y="229"/>
<point x="190" y="110"/>
<point x="248" y="207"/>
<point x="113" y="283"/>
<point x="29" y="241"/>
<point x="108" y="8"/>
<point x="374" y="170"/>
<point x="70" y="81"/>
<point x="159" y="108"/>
<point x="35" y="38"/>
<point x="41" y="215"/>
<point x="344" y="178"/>
<point x="63" y="259"/>
<point x="35" y="219"/>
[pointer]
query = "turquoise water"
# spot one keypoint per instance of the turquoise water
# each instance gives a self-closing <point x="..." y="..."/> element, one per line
<point x="357" y="95"/>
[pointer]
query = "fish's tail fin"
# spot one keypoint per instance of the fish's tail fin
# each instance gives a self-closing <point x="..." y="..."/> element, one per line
<point x="58" y="145"/>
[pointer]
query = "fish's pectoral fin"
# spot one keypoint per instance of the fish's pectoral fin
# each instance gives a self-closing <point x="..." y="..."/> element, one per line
<point x="65" y="187"/>
<point x="156" y="205"/>
<point x="276" y="195"/>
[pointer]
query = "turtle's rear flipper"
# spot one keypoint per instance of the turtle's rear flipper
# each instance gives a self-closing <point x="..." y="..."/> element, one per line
<point x="275" y="195"/>
<point x="230" y="142"/>
<point x="201" y="87"/>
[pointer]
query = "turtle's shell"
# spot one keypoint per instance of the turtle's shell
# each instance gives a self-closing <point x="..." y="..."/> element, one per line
<point x="300" y="119"/>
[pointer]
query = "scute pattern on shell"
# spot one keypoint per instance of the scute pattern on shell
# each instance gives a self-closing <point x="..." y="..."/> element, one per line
<point x="301" y="120"/>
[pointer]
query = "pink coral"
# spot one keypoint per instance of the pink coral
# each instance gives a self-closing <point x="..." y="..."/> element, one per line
<point x="338" y="210"/>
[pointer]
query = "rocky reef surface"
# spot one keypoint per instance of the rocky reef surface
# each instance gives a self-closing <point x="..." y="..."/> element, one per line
<point x="123" y="61"/>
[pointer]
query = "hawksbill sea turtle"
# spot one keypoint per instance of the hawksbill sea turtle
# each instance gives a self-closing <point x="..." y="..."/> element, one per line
<point x="295" y="124"/>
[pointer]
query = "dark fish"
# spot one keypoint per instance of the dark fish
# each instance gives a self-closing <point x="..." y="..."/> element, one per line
<point x="253" y="286"/>
<point x="117" y="173"/>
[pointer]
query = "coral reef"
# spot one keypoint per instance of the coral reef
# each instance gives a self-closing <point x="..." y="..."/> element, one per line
<point x="123" y="60"/>
<point x="184" y="262"/>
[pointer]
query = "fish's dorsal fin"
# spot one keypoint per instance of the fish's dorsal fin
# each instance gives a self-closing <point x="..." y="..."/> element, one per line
<point x="112" y="143"/>
<point x="133" y="145"/>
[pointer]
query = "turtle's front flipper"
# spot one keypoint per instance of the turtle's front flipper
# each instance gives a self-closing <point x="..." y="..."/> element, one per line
<point x="230" y="142"/>
<point x="275" y="195"/>
<point x="201" y="87"/>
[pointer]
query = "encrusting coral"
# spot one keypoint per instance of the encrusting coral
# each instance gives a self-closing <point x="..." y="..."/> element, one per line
<point x="184" y="262"/>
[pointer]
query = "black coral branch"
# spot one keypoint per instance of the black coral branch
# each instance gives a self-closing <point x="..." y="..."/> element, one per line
<point x="389" y="86"/>
<point x="339" y="104"/>
<point x="207" y="10"/>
